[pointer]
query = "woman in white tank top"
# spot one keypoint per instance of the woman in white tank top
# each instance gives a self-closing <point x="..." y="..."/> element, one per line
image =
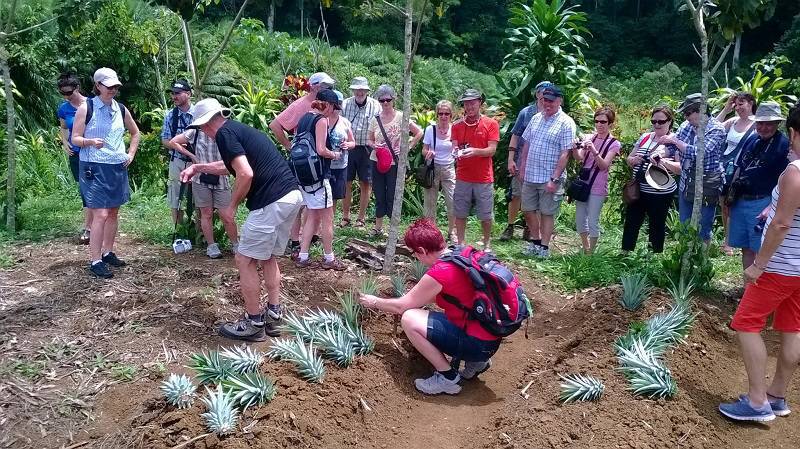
<point x="773" y="289"/>
<point x="738" y="127"/>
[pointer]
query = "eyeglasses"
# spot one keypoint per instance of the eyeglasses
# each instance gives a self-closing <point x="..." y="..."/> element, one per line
<point x="66" y="93"/>
<point x="444" y="113"/>
<point x="658" y="122"/>
<point x="601" y="122"/>
<point x="386" y="100"/>
<point x="111" y="87"/>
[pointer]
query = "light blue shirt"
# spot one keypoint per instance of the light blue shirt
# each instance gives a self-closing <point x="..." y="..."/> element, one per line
<point x="106" y="124"/>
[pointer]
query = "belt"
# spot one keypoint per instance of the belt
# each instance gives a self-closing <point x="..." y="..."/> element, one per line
<point x="748" y="197"/>
<point x="175" y="155"/>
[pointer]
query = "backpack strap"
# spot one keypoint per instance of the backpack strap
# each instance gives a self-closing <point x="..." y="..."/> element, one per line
<point x="386" y="137"/>
<point x="173" y="127"/>
<point x="90" y="110"/>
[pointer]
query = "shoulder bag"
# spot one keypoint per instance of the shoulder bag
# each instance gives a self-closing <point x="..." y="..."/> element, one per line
<point x="631" y="191"/>
<point x="579" y="189"/>
<point x="425" y="172"/>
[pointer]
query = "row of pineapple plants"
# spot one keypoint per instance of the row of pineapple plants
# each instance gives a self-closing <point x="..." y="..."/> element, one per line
<point x="234" y="371"/>
<point x="641" y="350"/>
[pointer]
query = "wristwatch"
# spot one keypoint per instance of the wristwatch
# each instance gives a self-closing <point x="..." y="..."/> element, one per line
<point x="555" y="180"/>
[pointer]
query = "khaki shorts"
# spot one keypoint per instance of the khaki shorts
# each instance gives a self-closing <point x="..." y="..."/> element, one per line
<point x="207" y="197"/>
<point x="467" y="192"/>
<point x="321" y="199"/>
<point x="176" y="166"/>
<point x="536" y="198"/>
<point x="266" y="230"/>
<point x="516" y="186"/>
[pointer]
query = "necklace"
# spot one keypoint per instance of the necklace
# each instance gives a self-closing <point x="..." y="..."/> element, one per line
<point x="472" y="124"/>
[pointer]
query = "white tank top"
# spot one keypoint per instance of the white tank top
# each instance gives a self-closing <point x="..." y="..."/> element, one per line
<point x="786" y="260"/>
<point x="733" y="139"/>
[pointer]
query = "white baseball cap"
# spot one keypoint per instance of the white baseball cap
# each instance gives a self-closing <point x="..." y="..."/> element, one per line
<point x="320" y="78"/>
<point x="107" y="77"/>
<point x="205" y="110"/>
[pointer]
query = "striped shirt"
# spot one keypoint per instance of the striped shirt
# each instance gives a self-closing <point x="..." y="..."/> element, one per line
<point x="360" y="117"/>
<point x="206" y="151"/>
<point x="786" y="260"/>
<point x="638" y="171"/>
<point x="106" y="124"/>
<point x="715" y="143"/>
<point x="548" y="138"/>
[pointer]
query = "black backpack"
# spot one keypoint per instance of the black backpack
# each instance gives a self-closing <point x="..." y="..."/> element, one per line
<point x="308" y="167"/>
<point x="90" y="110"/>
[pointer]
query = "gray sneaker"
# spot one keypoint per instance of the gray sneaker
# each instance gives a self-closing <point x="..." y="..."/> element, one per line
<point x="532" y="250"/>
<point x="244" y="329"/>
<point x="235" y="247"/>
<point x="438" y="384"/>
<point x="544" y="253"/>
<point x="473" y="369"/>
<point x="213" y="251"/>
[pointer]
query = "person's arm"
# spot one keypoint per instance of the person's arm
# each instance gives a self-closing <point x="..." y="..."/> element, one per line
<point x="427" y="149"/>
<point x="561" y="164"/>
<point x="371" y="134"/>
<point x="416" y="134"/>
<point x="165" y="130"/>
<point x="79" y="127"/>
<point x="634" y="159"/>
<point x="244" y="178"/>
<point x="280" y="133"/>
<point x="179" y="143"/>
<point x="490" y="149"/>
<point x="130" y="125"/>
<point x="350" y="141"/>
<point x="423" y="293"/>
<point x="320" y="136"/>
<point x="602" y="163"/>
<point x="726" y="110"/>
<point x="512" y="150"/>
<point x="212" y="168"/>
<point x="64" y="134"/>
<point x="788" y="203"/>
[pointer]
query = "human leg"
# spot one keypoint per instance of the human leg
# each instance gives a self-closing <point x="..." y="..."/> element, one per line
<point x="657" y="211"/>
<point x="415" y="326"/>
<point x="98" y="231"/>
<point x="110" y="230"/>
<point x="206" y="223"/>
<point x="634" y="218"/>
<point x="363" y="199"/>
<point x="595" y="207"/>
<point x="484" y="210"/>
<point x="462" y="203"/>
<point x="788" y="359"/>
<point x="582" y="223"/>
<point x="448" y="182"/>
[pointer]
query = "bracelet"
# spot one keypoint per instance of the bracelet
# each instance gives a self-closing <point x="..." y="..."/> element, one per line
<point x="510" y="149"/>
<point x="757" y="267"/>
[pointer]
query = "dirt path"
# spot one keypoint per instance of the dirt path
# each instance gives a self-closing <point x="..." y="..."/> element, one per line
<point x="81" y="361"/>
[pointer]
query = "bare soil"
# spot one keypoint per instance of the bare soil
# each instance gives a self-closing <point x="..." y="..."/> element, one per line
<point x="81" y="360"/>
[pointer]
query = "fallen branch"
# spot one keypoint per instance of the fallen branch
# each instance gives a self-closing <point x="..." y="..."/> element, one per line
<point x="524" y="391"/>
<point x="185" y="443"/>
<point x="73" y="446"/>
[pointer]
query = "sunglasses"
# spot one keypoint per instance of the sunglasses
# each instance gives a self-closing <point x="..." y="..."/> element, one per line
<point x="444" y="113"/>
<point x="386" y="100"/>
<point x="658" y="122"/>
<point x="66" y="93"/>
<point x="601" y="122"/>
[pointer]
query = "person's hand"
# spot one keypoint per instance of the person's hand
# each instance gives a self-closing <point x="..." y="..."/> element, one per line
<point x="512" y="167"/>
<point x="551" y="187"/>
<point x="347" y="145"/>
<point x="764" y="213"/>
<point x="428" y="155"/>
<point x="368" y="301"/>
<point x="337" y="155"/>
<point x="588" y="145"/>
<point x="227" y="213"/>
<point x="752" y="273"/>
<point x="128" y="161"/>
<point x="97" y="143"/>
<point x="636" y="160"/>
<point x="466" y="153"/>
<point x="731" y="103"/>
<point x="188" y="173"/>
<point x="669" y="139"/>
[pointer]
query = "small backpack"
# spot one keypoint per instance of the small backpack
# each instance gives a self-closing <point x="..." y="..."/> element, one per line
<point x="307" y="166"/>
<point x="500" y="304"/>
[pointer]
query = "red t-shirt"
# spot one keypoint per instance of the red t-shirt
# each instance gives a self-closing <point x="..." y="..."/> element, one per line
<point x="456" y="283"/>
<point x="475" y="169"/>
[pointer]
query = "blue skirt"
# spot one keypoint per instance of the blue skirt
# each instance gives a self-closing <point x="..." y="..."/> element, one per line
<point x="104" y="186"/>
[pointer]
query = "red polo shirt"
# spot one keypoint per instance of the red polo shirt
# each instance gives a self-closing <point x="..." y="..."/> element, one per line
<point x="475" y="169"/>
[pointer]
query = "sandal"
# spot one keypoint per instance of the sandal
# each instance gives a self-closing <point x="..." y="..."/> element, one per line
<point x="344" y="222"/>
<point x="360" y="223"/>
<point x="376" y="233"/>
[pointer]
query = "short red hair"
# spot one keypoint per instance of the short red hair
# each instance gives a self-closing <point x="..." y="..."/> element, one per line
<point x="423" y="234"/>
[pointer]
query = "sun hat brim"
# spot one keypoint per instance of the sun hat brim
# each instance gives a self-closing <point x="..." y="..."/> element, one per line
<point x="205" y="118"/>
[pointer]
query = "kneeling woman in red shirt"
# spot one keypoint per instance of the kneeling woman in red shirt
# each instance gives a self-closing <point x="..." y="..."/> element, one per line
<point x="432" y="333"/>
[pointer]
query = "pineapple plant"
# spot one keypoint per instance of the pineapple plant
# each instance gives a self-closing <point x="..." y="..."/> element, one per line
<point x="646" y="373"/>
<point x="250" y="389"/>
<point x="682" y="292"/>
<point x="418" y="269"/>
<point x="221" y="416"/>
<point x="179" y="390"/>
<point x="299" y="326"/>
<point x="635" y="289"/>
<point x="211" y="368"/>
<point x="577" y="387"/>
<point x="321" y="317"/>
<point x="398" y="285"/>
<point x="243" y="359"/>
<point x="309" y="364"/>
<point x="351" y="309"/>
<point x="362" y="344"/>
<point x="673" y="326"/>
<point x="337" y="344"/>
<point x="369" y="285"/>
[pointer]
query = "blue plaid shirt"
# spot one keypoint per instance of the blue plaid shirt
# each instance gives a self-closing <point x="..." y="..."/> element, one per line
<point x="715" y="144"/>
<point x="184" y="119"/>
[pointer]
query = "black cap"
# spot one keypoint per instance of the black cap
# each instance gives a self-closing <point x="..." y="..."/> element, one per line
<point x="329" y="96"/>
<point x="180" y="85"/>
<point x="551" y="92"/>
<point x="691" y="100"/>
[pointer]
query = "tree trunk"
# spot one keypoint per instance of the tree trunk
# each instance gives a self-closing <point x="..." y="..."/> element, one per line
<point x="271" y="17"/>
<point x="162" y="98"/>
<point x="225" y="40"/>
<point x="302" y="18"/>
<point x="736" y="50"/>
<point x="11" y="148"/>
<point x="397" y="208"/>
<point x="187" y="42"/>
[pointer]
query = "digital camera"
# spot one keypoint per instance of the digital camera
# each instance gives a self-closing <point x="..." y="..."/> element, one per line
<point x="181" y="246"/>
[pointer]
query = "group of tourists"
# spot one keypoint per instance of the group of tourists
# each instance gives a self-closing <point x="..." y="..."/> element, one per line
<point x="359" y="137"/>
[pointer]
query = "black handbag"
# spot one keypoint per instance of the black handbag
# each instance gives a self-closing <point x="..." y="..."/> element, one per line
<point x="425" y="173"/>
<point x="579" y="189"/>
<point x="208" y="179"/>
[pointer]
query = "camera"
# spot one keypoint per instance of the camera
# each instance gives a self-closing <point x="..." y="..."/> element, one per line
<point x="181" y="246"/>
<point x="759" y="227"/>
<point x="655" y="159"/>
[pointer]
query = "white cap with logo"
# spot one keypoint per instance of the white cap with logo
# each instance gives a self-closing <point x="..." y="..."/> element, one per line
<point x="320" y="78"/>
<point x="107" y="77"/>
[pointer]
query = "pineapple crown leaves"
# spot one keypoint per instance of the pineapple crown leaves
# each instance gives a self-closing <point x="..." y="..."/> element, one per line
<point x="672" y="326"/>
<point x="322" y="317"/>
<point x="179" y="390"/>
<point x="211" y="368"/>
<point x="221" y="416"/>
<point x="654" y="384"/>
<point x="654" y="344"/>
<point x="398" y="284"/>
<point x="638" y="357"/>
<point x="369" y="285"/>
<point x="351" y="309"/>
<point x="250" y="389"/>
<point x="635" y="288"/>
<point x="577" y="387"/>
<point x="418" y="269"/>
<point x="309" y="364"/>
<point x="337" y="345"/>
<point x="243" y="359"/>
<point x="682" y="292"/>
<point x="299" y="326"/>
<point x="362" y="344"/>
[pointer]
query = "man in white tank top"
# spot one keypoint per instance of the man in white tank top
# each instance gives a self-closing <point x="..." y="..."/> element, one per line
<point x="773" y="289"/>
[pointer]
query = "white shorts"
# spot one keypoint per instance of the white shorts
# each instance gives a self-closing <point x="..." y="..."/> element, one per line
<point x="321" y="199"/>
<point x="266" y="230"/>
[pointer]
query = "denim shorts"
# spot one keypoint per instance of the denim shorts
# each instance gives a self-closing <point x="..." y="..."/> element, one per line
<point x="453" y="341"/>
<point x="743" y="218"/>
<point x="338" y="180"/>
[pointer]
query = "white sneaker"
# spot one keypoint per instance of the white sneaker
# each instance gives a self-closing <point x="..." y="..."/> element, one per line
<point x="438" y="384"/>
<point x="213" y="251"/>
<point x="235" y="247"/>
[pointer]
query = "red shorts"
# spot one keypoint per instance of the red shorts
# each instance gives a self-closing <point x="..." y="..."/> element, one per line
<point x="770" y="293"/>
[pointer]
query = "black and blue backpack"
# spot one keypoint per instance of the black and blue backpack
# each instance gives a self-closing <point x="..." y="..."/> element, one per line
<point x="308" y="167"/>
